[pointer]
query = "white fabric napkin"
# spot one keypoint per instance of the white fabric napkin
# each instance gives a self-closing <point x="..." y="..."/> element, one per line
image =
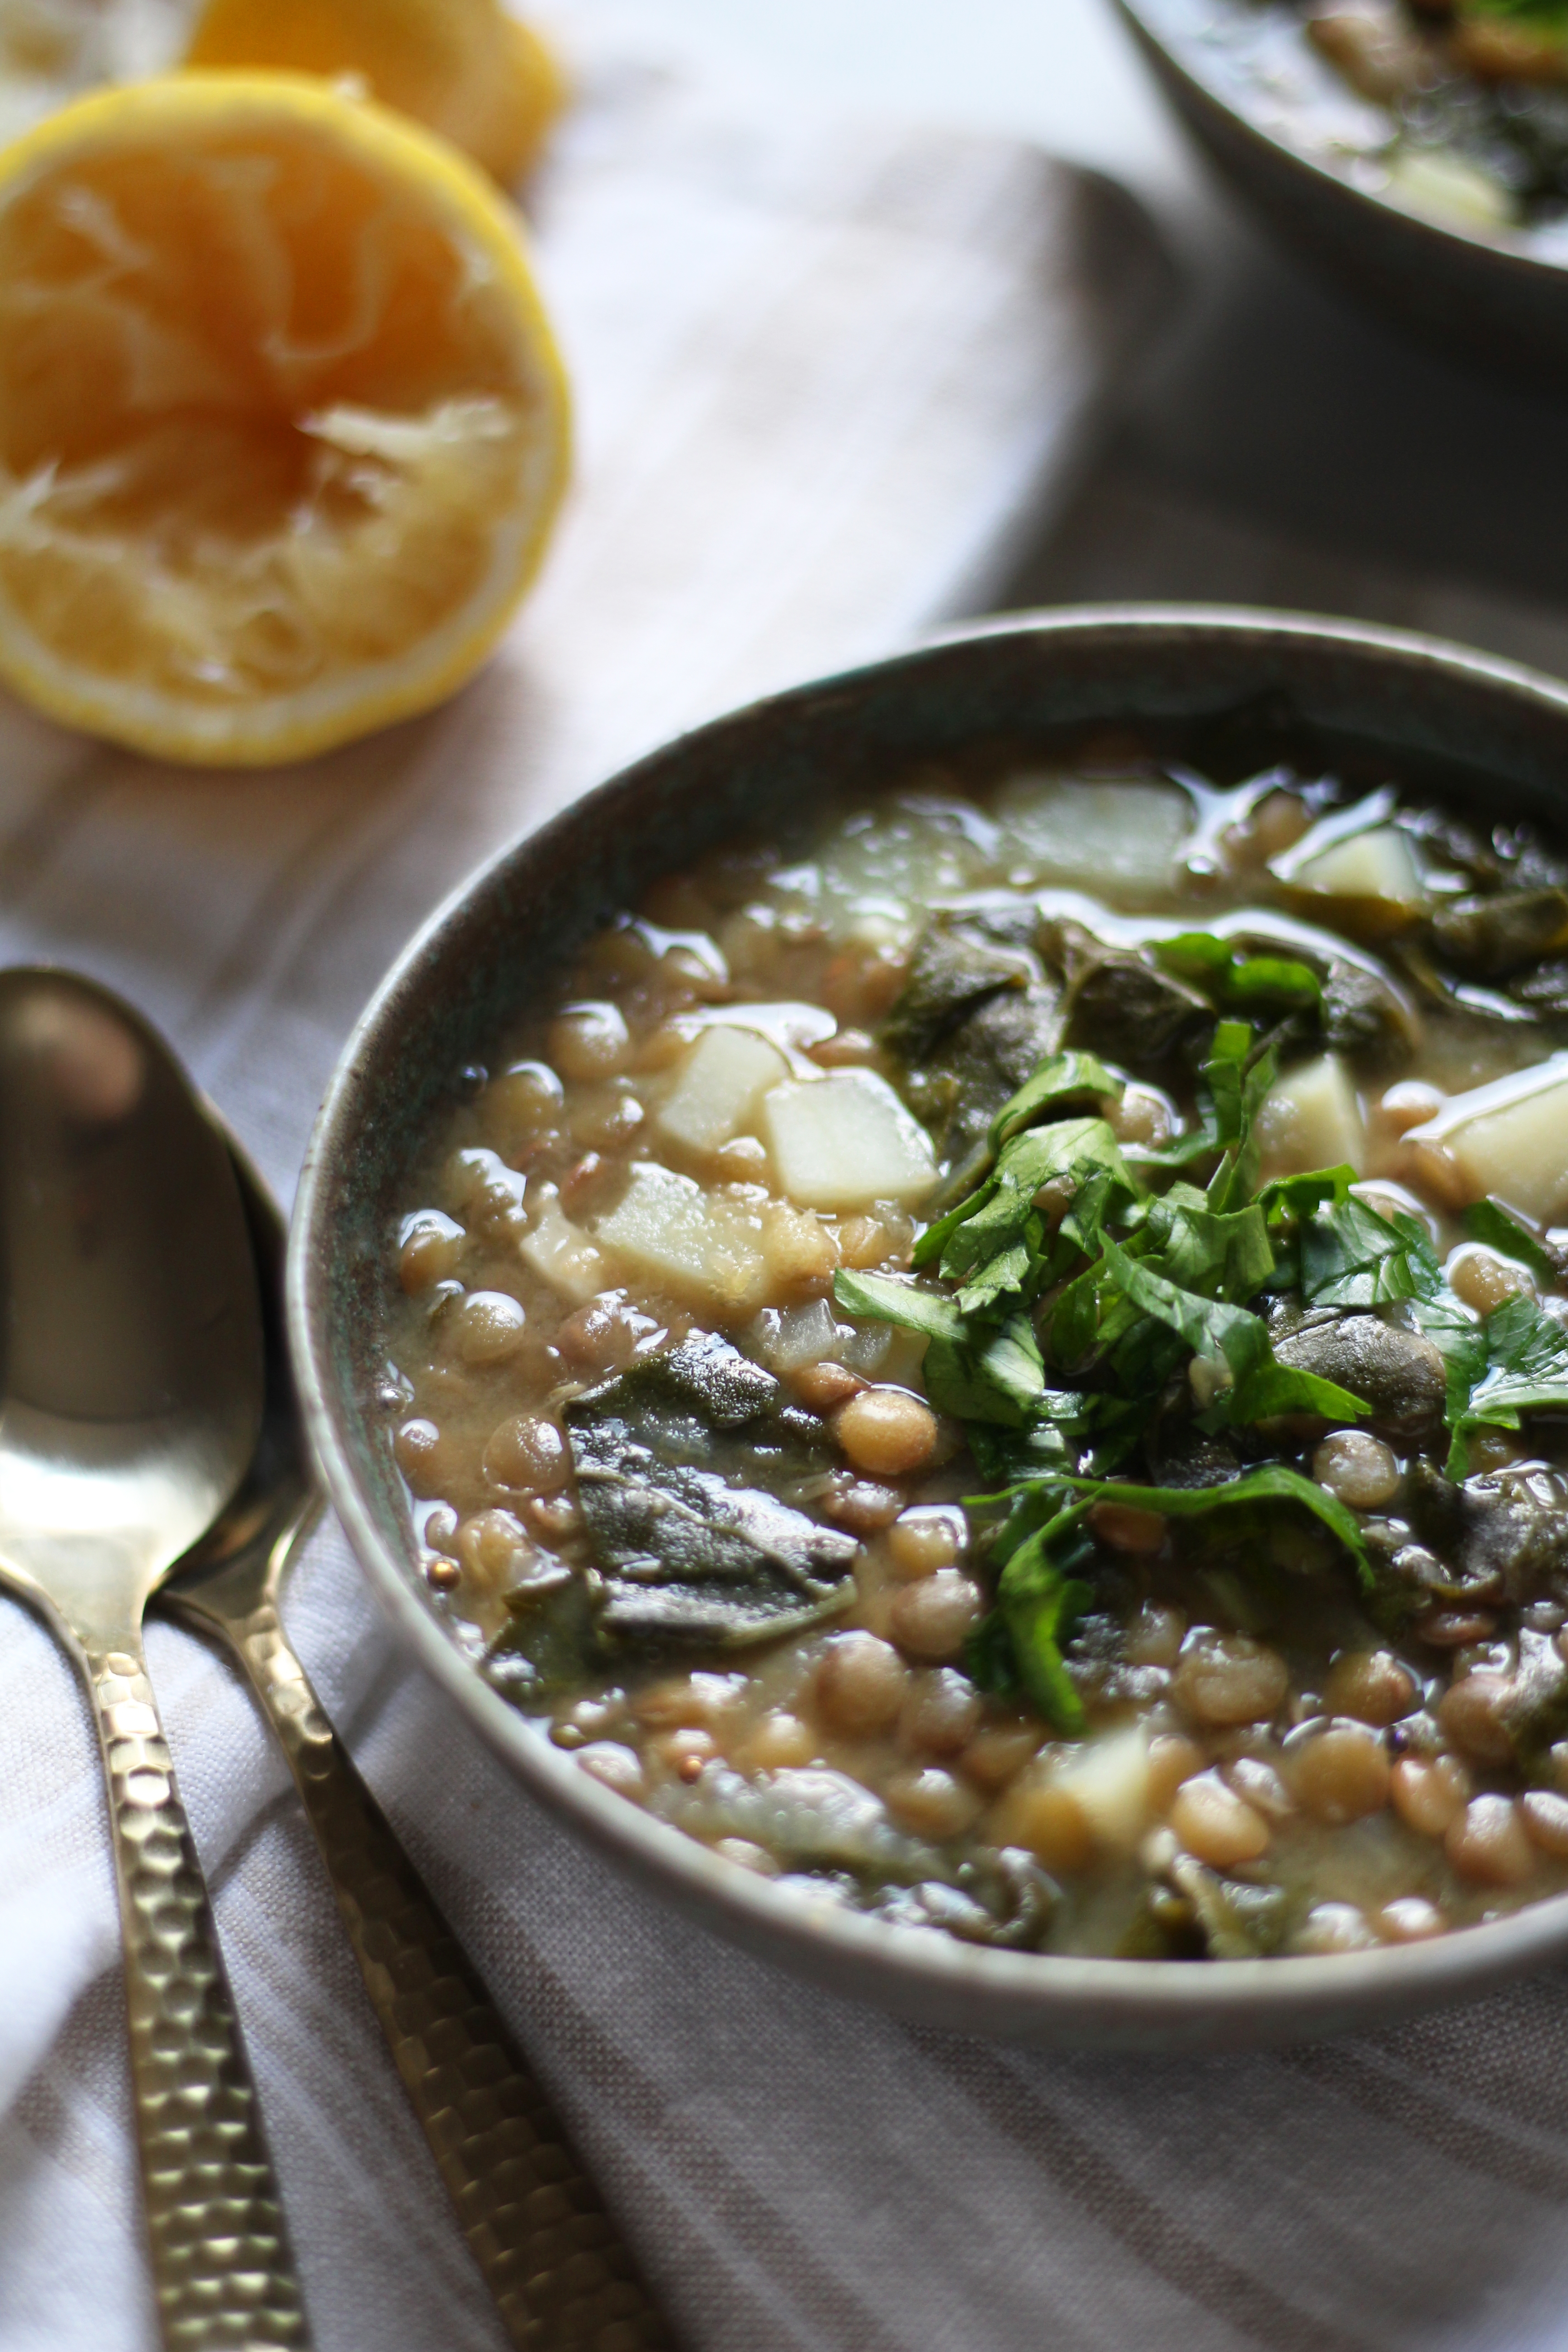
<point x="825" y="376"/>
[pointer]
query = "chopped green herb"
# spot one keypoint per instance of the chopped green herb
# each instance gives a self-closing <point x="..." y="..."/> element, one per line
<point x="1081" y="1280"/>
<point x="1065" y="1079"/>
<point x="1274" y="1484"/>
<point x="1548" y="17"/>
<point x="1351" y="1256"/>
<point x="994" y="1242"/>
<point x="1298" y="1196"/>
<point x="1038" y="1598"/>
<point x="1041" y="1592"/>
<point x="974" y="1370"/>
<point x="1258" y="1388"/>
<point x="1488" y="1221"/>
<point x="1237" y="1076"/>
<point x="1526" y="1367"/>
<point x="1235" y="981"/>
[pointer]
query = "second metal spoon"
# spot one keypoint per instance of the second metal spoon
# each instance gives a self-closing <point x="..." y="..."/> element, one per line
<point x="532" y="2217"/>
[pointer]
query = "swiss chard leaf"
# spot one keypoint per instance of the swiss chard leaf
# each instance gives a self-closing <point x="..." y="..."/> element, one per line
<point x="674" y="1460"/>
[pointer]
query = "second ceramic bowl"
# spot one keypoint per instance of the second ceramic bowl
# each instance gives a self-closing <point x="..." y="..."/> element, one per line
<point x="1477" y="296"/>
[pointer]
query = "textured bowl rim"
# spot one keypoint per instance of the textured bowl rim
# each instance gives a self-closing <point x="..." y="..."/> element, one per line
<point x="1515" y="256"/>
<point x="1043" y="1997"/>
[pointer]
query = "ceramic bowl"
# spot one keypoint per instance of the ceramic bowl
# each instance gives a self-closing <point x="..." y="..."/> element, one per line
<point x="1475" y="727"/>
<point x="1476" y="296"/>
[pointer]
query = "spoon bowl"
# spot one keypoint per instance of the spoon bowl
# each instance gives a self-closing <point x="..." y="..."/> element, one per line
<point x="131" y="1376"/>
<point x="133" y="1359"/>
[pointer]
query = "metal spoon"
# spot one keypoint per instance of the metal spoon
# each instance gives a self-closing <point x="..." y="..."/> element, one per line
<point x="532" y="2217"/>
<point x="131" y="1397"/>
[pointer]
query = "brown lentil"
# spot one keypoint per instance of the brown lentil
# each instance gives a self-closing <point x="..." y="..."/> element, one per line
<point x="1224" y="1678"/>
<point x="932" y="1618"/>
<point x="1341" y="1774"/>
<point x="528" y="1454"/>
<point x="929" y="1803"/>
<point x="1487" y="1842"/>
<point x="1545" y="1816"/>
<point x="886" y="1431"/>
<point x="1359" y="1468"/>
<point x="1471" y="1713"/>
<point x="1429" y="1792"/>
<point x="1408" y="1920"/>
<point x="861" y="1684"/>
<point x="1371" y="1686"/>
<point x="1215" y="1824"/>
<point x="921" y="1541"/>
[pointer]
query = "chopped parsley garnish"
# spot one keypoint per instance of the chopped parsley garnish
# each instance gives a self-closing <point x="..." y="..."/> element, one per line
<point x="1081" y="1286"/>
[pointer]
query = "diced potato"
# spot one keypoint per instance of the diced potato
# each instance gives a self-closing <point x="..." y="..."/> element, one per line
<point x="800" y="1335"/>
<point x="1449" y="188"/>
<point x="1311" y="1118"/>
<point x="877" y="875"/>
<point x="562" y="1252"/>
<point x="789" y="1337"/>
<point x="1378" y="864"/>
<point x="786" y="1024"/>
<point x="845" y="1140"/>
<point x="718" y="1087"/>
<point x="1110" y="1779"/>
<point x="1116" y="839"/>
<point x="707" y="1246"/>
<point x="1510" y="1138"/>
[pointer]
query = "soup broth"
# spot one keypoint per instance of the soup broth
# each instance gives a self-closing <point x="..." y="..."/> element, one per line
<point x="1004" y="1361"/>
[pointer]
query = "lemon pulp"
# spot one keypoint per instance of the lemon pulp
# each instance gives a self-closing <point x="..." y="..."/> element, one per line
<point x="281" y="424"/>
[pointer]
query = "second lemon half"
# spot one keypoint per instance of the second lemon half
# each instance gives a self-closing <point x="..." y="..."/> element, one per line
<point x="282" y="424"/>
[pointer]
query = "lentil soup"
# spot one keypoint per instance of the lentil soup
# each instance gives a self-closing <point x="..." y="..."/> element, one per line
<point x="1004" y="1361"/>
<point x="1455" y="110"/>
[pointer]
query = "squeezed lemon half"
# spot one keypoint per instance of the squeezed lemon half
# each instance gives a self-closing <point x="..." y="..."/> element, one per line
<point x="463" y="67"/>
<point x="283" y="428"/>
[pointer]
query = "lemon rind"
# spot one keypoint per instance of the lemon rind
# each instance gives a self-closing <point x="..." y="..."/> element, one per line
<point x="359" y="702"/>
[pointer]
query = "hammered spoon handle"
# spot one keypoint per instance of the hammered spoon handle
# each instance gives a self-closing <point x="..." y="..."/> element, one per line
<point x="533" y="2219"/>
<point x="222" y="2271"/>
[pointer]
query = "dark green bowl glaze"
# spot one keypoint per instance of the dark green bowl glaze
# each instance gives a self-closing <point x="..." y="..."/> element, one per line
<point x="1477" y="728"/>
<point x="1498" y="305"/>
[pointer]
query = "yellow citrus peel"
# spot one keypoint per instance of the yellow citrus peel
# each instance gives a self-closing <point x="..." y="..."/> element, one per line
<point x="283" y="428"/>
<point x="463" y="67"/>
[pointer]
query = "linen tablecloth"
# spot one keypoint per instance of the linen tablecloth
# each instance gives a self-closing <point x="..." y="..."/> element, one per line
<point x="827" y="375"/>
<point x="821" y="377"/>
